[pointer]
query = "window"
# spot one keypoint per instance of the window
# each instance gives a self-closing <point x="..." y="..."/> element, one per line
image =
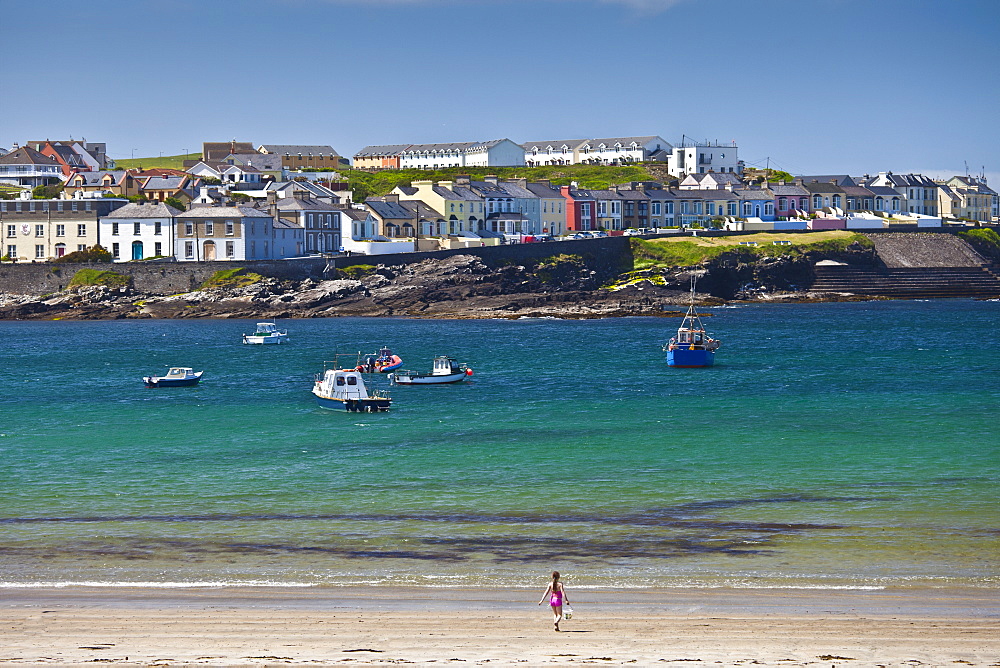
<point x="12" y="251"/>
<point x="836" y="201"/>
<point x="782" y="203"/>
<point x="114" y="229"/>
<point x="768" y="208"/>
<point x="656" y="208"/>
<point x="81" y="230"/>
<point x="732" y="208"/>
<point x="231" y="248"/>
<point x="115" y="250"/>
<point x="158" y="248"/>
<point x="39" y="230"/>
<point x="136" y="228"/>
<point x="747" y="209"/>
<point x="81" y="247"/>
<point x="710" y="208"/>
<point x="189" y="229"/>
<point x="11" y="231"/>
<point x="309" y="220"/>
<point x="352" y="380"/>
<point x="209" y="228"/>
<point x="157" y="228"/>
<point x="60" y="230"/>
<point x="39" y="251"/>
<point x="229" y="228"/>
<point x="817" y="202"/>
<point x="188" y="249"/>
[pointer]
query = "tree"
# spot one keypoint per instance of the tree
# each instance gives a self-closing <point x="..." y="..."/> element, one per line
<point x="176" y="203"/>
<point x="95" y="253"/>
<point x="47" y="191"/>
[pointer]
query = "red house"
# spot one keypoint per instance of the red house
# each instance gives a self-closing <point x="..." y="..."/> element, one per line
<point x="581" y="209"/>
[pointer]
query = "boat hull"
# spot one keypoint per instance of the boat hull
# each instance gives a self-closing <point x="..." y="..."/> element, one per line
<point x="370" y="405"/>
<point x="187" y="382"/>
<point x="428" y="379"/>
<point x="264" y="340"/>
<point x="685" y="358"/>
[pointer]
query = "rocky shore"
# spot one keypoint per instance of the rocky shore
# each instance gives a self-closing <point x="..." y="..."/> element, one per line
<point x="460" y="286"/>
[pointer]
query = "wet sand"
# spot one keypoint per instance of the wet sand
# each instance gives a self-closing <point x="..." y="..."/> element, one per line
<point x="381" y="625"/>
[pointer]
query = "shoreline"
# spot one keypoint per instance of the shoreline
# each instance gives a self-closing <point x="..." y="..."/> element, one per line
<point x="358" y="625"/>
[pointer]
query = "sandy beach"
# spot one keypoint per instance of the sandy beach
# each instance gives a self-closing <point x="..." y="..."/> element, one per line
<point x="381" y="625"/>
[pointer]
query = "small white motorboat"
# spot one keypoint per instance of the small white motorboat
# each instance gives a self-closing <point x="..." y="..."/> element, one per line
<point x="446" y="370"/>
<point x="267" y="332"/>
<point x="177" y="376"/>
<point x="344" y="389"/>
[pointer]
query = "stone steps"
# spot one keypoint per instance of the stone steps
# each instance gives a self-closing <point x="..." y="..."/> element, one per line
<point x="909" y="283"/>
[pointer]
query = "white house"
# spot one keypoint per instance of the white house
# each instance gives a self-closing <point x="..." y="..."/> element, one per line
<point x="360" y="235"/>
<point x="138" y="231"/>
<point x="688" y="158"/>
<point x="623" y="150"/>
<point x="495" y="153"/>
<point x="554" y="152"/>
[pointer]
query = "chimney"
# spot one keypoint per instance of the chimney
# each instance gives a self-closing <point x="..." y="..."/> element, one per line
<point x="491" y="179"/>
<point x="545" y="182"/>
<point x="394" y="198"/>
<point x="446" y="184"/>
<point x="464" y="179"/>
<point x="729" y="187"/>
<point x="272" y="196"/>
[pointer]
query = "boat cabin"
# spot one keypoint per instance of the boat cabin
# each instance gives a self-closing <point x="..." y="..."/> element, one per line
<point x="176" y="372"/>
<point x="445" y="366"/>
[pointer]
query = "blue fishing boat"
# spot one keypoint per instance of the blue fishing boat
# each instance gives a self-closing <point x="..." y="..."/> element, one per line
<point x="344" y="389"/>
<point x="692" y="347"/>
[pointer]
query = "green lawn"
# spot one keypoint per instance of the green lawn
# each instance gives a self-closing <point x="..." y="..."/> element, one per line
<point x="166" y="161"/>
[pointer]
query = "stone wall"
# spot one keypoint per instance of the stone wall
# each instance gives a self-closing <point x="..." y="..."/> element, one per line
<point x="608" y="256"/>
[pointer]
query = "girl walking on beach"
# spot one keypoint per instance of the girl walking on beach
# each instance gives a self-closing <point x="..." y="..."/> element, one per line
<point x="556" y="594"/>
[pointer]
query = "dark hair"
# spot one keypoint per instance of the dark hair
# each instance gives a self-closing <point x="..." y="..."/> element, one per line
<point x="555" y="577"/>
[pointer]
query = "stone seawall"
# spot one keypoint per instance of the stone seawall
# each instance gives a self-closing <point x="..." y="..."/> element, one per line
<point x="608" y="257"/>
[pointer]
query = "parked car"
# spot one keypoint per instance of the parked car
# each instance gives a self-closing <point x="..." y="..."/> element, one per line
<point x="599" y="234"/>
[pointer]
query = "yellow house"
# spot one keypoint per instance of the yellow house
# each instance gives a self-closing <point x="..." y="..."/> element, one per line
<point x="461" y="208"/>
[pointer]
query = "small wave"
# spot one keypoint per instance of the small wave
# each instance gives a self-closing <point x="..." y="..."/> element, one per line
<point x="152" y="585"/>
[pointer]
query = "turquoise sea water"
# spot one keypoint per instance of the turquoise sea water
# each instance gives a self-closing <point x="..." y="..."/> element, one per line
<point x="833" y="445"/>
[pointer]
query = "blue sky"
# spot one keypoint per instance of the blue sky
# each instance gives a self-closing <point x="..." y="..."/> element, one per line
<point x="816" y="86"/>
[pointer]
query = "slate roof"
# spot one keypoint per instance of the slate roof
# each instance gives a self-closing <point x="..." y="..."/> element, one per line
<point x="857" y="191"/>
<point x="384" y="149"/>
<point x="95" y="178"/>
<point x="821" y="187"/>
<point x="150" y="210"/>
<point x="542" y="190"/>
<point x="450" y="147"/>
<point x="310" y="186"/>
<point x="883" y="191"/>
<point x="164" y="182"/>
<point x="754" y="193"/>
<point x="287" y="224"/>
<point x="224" y="212"/>
<point x="457" y="193"/>
<point x="261" y="161"/>
<point x="356" y="214"/>
<point x="212" y="151"/>
<point x="786" y="190"/>
<point x="624" y="141"/>
<point x="295" y="149"/>
<point x="307" y="204"/>
<point x="840" y="179"/>
<point x="558" y="143"/>
<point x="26" y="156"/>
<point x="388" y="209"/>
<point x="421" y="210"/>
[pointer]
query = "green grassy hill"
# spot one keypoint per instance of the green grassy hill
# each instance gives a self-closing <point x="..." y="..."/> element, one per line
<point x="166" y="161"/>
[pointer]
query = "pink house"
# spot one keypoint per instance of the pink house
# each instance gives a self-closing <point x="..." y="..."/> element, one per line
<point x="789" y="200"/>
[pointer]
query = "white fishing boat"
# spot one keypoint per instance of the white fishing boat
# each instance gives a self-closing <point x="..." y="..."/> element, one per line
<point x="177" y="376"/>
<point x="344" y="389"/>
<point x="266" y="333"/>
<point x="446" y="370"/>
